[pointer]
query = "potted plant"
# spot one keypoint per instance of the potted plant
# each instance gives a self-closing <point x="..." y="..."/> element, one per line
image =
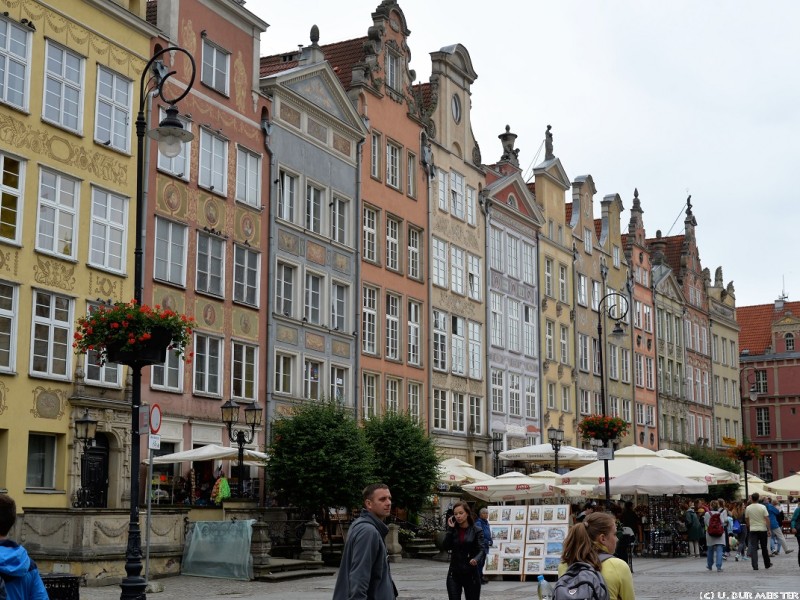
<point x="746" y="451"/>
<point x="133" y="334"/>
<point x="604" y="428"/>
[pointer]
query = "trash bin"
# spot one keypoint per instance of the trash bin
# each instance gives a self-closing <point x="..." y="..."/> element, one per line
<point x="62" y="586"/>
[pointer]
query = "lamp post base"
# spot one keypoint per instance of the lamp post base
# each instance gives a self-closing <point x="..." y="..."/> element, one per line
<point x="134" y="586"/>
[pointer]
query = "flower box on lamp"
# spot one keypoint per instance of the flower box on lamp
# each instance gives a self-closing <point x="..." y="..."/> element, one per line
<point x="133" y="334"/>
<point x="603" y="428"/>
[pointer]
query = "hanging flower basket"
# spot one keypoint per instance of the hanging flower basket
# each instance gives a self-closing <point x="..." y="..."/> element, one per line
<point x="602" y="428"/>
<point x="133" y="334"/>
<point x="746" y="451"/>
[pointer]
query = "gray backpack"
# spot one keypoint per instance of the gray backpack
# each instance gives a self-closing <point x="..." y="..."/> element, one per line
<point x="582" y="581"/>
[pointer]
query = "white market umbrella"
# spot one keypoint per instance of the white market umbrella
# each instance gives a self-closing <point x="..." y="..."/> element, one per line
<point x="456" y="471"/>
<point x="626" y="459"/>
<point x="653" y="480"/>
<point x="788" y="486"/>
<point x="544" y="453"/>
<point x="694" y="469"/>
<point x="507" y="487"/>
<point x="208" y="452"/>
<point x="754" y="484"/>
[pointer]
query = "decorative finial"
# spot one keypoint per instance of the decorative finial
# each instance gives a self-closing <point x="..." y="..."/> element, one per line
<point x="509" y="152"/>
<point x="635" y="192"/>
<point x="314" y="35"/>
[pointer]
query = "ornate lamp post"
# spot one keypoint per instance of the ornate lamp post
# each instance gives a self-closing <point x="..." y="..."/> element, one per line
<point x="497" y="448"/>
<point x="556" y="437"/>
<point x="252" y="418"/>
<point x="170" y="136"/>
<point x="621" y="312"/>
<point x="85" y="431"/>
<point x="750" y="378"/>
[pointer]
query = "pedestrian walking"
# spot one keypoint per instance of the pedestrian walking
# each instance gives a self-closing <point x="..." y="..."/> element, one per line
<point x="364" y="569"/>
<point x="715" y="536"/>
<point x="483" y="523"/>
<point x="18" y="571"/>
<point x="465" y="542"/>
<point x="776" y="519"/>
<point x="795" y="524"/>
<point x="593" y="541"/>
<point x="694" y="530"/>
<point x="757" y="518"/>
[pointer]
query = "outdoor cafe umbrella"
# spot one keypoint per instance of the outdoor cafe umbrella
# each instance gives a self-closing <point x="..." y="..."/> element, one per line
<point x="654" y="481"/>
<point x="208" y="452"/>
<point x="788" y="486"/>
<point x="625" y="459"/>
<point x="456" y="471"/>
<point x="544" y="453"/>
<point x="694" y="469"/>
<point x="507" y="487"/>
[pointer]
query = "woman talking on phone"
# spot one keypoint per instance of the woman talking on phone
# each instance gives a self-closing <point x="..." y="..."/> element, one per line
<point x="465" y="542"/>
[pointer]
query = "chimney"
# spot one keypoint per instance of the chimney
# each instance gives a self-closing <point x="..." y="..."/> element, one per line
<point x="658" y="246"/>
<point x="313" y="54"/>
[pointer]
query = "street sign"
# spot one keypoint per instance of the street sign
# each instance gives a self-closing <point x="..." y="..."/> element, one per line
<point x="144" y="419"/>
<point x="605" y="454"/>
<point x="155" y="418"/>
<point x="154" y="442"/>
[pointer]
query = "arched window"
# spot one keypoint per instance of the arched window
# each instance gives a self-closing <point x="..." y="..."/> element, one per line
<point x="789" y="339"/>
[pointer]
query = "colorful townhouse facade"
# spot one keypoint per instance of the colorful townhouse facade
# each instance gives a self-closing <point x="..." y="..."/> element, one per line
<point x="315" y="145"/>
<point x="457" y="260"/>
<point x="770" y="384"/>
<point x="68" y="189"/>
<point x="513" y="225"/>
<point x="206" y="234"/>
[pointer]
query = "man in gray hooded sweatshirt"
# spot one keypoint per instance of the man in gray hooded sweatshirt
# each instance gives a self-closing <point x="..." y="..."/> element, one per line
<point x="364" y="570"/>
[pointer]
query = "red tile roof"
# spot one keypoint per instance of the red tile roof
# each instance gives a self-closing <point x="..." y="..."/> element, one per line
<point x="568" y="211"/>
<point x="598" y="227"/>
<point x="425" y="92"/>
<point x="152" y="12"/>
<point x="341" y="56"/>
<point x="532" y="187"/>
<point x="756" y="325"/>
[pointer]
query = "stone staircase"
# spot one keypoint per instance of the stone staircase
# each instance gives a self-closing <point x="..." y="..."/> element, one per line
<point x="420" y="547"/>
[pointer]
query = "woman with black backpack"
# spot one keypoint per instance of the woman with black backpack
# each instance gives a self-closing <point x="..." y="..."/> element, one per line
<point x="588" y="557"/>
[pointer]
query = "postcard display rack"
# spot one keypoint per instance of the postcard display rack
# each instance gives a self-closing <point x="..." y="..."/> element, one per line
<point x="527" y="540"/>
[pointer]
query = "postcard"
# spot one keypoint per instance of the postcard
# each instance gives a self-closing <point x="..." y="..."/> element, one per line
<point x="511" y="548"/>
<point x="511" y="565"/>
<point x="551" y="564"/>
<point x="534" y="550"/>
<point x="517" y="533"/>
<point x="500" y="533"/>
<point x="536" y="533"/>
<point x="534" y="514"/>
<point x="533" y="567"/>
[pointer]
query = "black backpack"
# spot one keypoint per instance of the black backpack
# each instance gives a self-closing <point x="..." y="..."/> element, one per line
<point x="581" y="581"/>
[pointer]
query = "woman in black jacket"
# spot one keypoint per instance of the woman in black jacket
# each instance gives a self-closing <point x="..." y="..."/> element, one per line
<point x="465" y="542"/>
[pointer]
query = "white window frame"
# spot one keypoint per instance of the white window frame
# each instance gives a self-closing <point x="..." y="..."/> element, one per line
<point x="457" y="207"/>
<point x="339" y="226"/>
<point x="370" y="234"/>
<point x="246" y="275"/>
<point x="513" y="324"/>
<point x="51" y="332"/>
<point x="582" y="299"/>
<point x="312" y="379"/>
<point x="496" y="238"/>
<point x="244" y="371"/>
<point x="442" y="189"/>
<point x="117" y="107"/>
<point x="210" y="273"/>
<point x="170" y="248"/>
<point x="287" y="196"/>
<point x="393" y="395"/>
<point x="248" y="177"/>
<point x="14" y="62"/>
<point x="414" y="393"/>
<point x="376" y="151"/>
<point x="498" y="390"/>
<point x="284" y="373"/>
<point x="313" y="290"/>
<point x="392" y="244"/>
<point x="459" y="413"/>
<point x="471" y="216"/>
<point x="215" y="67"/>
<point x="285" y="289"/>
<point x="439" y="340"/>
<point x="63" y="87"/>
<point x="340" y="293"/>
<point x="548" y="277"/>
<point x="109" y="232"/>
<point x="440" y="409"/>
<point x="168" y="376"/>
<point x="413" y="332"/>
<point x="550" y="344"/>
<point x="515" y="394"/>
<point x="12" y="204"/>
<point x="551" y="395"/>
<point x="457" y="270"/>
<point x="393" y="326"/>
<point x="439" y="262"/>
<point x="315" y="199"/>
<point x="475" y="350"/>
<point x="411" y="174"/>
<point x="528" y="264"/>
<point x="414" y="264"/>
<point x="563" y="292"/>
<point x="475" y="415"/>
<point x="339" y="376"/>
<point x="369" y="320"/>
<point x="458" y="345"/>
<point x="497" y="323"/>
<point x="213" y="162"/>
<point x="528" y="330"/>
<point x="393" y="166"/>
<point x="369" y="395"/>
<point x="9" y="338"/>
<point x="42" y="462"/>
<point x="512" y="253"/>
<point x="104" y="375"/>
<point x="393" y="74"/>
<point x="208" y="364"/>
<point x="57" y="214"/>
<point x="531" y="399"/>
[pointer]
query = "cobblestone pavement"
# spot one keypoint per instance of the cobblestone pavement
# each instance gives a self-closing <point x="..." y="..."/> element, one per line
<point x="659" y="578"/>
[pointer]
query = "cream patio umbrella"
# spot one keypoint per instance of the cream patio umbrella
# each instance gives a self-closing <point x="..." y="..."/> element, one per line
<point x="544" y="453"/>
<point x="208" y="452"/>
<point x="507" y="487"/>
<point x="693" y="469"/>
<point x="455" y="471"/>
<point x="654" y="481"/>
<point x="788" y="486"/>
<point x="626" y="459"/>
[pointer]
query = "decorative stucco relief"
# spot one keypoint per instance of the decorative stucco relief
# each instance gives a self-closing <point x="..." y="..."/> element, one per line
<point x="54" y="273"/>
<point x="104" y="287"/>
<point x="286" y="334"/>
<point x="48" y="403"/>
<point x="315" y="342"/>
<point x="3" y="396"/>
<point x="9" y="261"/>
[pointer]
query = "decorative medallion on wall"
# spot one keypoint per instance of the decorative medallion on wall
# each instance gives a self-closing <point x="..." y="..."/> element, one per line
<point x="48" y="403"/>
<point x="342" y="144"/>
<point x="168" y="298"/>
<point x="341" y="262"/>
<point x="54" y="273"/>
<point x="105" y="286"/>
<point x="209" y="315"/>
<point x="245" y="323"/>
<point x="315" y="342"/>
<point x="290" y="115"/>
<point x="3" y="395"/>
<point x="286" y="334"/>
<point x="172" y="198"/>
<point x="211" y="212"/>
<point x="247" y="228"/>
<point x="315" y="253"/>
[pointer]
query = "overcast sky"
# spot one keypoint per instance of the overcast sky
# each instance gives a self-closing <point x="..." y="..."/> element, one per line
<point x="673" y="98"/>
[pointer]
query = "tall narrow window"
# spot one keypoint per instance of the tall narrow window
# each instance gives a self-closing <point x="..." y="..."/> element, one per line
<point x="286" y="196"/>
<point x="474" y="276"/>
<point x="243" y="371"/>
<point x="170" y="251"/>
<point x="14" y="42"/>
<point x="112" y="123"/>
<point x="414" y="316"/>
<point x="392" y="244"/>
<point x="213" y="173"/>
<point x="369" y="321"/>
<point x="457" y="270"/>
<point x="458" y="336"/>
<point x="52" y="328"/>
<point x="284" y="291"/>
<point x="314" y="209"/>
<point x="245" y="275"/>
<point x="311" y="382"/>
<point x="109" y="227"/>
<point x="248" y="177"/>
<point x="210" y="264"/>
<point x="63" y="87"/>
<point x="313" y="299"/>
<point x="411" y="175"/>
<point x="392" y="327"/>
<point x="339" y="384"/>
<point x="370" y="247"/>
<point x="284" y="373"/>
<point x="9" y="310"/>
<point x="215" y="67"/>
<point x="513" y="321"/>
<point x="439" y="262"/>
<point x="338" y="306"/>
<point x="393" y="153"/>
<point x="457" y="193"/>
<point x="414" y="401"/>
<point x="375" y="150"/>
<point x="414" y="253"/>
<point x="439" y="340"/>
<point x="529" y="330"/>
<point x="497" y="319"/>
<point x="207" y="365"/>
<point x="514" y="388"/>
<point x="392" y="395"/>
<point x="12" y="173"/>
<point x="58" y="205"/>
<point x="339" y="229"/>
<point x="475" y="350"/>
<point x="498" y="391"/>
<point x="369" y="395"/>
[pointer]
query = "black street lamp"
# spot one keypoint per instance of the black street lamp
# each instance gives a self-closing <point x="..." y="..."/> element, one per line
<point x="753" y="395"/>
<point x="621" y="312"/>
<point x="252" y="417"/>
<point x="497" y="447"/>
<point x="85" y="431"/>
<point x="170" y="136"/>
<point x="556" y="437"/>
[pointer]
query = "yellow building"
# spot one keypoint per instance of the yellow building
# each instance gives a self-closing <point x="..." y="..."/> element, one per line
<point x="556" y="323"/>
<point x="67" y="111"/>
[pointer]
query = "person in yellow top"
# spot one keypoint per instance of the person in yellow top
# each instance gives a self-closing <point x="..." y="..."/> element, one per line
<point x="590" y="541"/>
<point x="757" y="518"/>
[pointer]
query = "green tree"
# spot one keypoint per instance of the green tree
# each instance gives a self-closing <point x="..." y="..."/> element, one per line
<point x="721" y="460"/>
<point x="319" y="458"/>
<point x="405" y="459"/>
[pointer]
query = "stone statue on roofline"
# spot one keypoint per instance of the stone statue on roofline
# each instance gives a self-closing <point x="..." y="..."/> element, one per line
<point x="510" y="154"/>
